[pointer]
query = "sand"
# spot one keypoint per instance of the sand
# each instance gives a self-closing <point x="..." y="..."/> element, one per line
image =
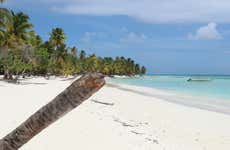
<point x="118" y="117"/>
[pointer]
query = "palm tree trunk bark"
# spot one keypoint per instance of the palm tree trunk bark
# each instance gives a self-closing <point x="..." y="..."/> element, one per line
<point x="69" y="99"/>
<point x="7" y="75"/>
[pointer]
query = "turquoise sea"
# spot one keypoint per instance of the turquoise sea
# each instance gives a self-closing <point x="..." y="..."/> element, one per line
<point x="210" y="86"/>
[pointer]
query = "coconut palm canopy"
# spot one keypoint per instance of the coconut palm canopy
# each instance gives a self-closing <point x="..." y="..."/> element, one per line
<point x="24" y="52"/>
<point x="14" y="28"/>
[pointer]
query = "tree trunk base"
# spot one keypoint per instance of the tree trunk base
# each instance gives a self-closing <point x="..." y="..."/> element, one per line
<point x="79" y="91"/>
<point x="8" y="75"/>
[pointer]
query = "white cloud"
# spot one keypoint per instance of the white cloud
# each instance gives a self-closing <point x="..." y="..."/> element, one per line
<point x="208" y="32"/>
<point x="87" y="37"/>
<point x="133" y="38"/>
<point x="151" y="11"/>
<point x="124" y="29"/>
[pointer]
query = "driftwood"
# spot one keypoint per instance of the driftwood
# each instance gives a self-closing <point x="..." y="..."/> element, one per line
<point x="124" y="123"/>
<point x="103" y="103"/>
<point x="70" y="98"/>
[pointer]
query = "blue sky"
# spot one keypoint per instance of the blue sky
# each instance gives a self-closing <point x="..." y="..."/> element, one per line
<point x="166" y="36"/>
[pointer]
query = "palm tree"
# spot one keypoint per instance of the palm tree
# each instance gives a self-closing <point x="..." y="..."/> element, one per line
<point x="14" y="29"/>
<point x="82" y="55"/>
<point x="92" y="63"/>
<point x="57" y="42"/>
<point x="143" y="70"/>
<point x="57" y="37"/>
<point x="21" y="25"/>
<point x="69" y="99"/>
<point x="137" y="68"/>
<point x="73" y="51"/>
<point x="6" y="20"/>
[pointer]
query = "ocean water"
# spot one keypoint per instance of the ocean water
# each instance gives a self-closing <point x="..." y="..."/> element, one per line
<point x="210" y="86"/>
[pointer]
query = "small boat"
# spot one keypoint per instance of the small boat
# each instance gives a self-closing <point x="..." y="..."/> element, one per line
<point x="198" y="80"/>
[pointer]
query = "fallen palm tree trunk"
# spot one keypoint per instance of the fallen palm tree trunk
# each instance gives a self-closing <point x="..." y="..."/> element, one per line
<point x="70" y="98"/>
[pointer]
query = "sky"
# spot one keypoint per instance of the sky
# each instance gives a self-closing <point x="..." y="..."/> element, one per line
<point x="168" y="37"/>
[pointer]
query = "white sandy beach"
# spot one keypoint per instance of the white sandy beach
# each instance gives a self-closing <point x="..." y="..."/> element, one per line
<point x="133" y="121"/>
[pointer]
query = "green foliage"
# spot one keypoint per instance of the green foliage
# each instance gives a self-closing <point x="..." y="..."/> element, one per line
<point x="41" y="63"/>
<point x="14" y="63"/>
<point x="14" y="28"/>
<point x="57" y="38"/>
<point x="22" y="51"/>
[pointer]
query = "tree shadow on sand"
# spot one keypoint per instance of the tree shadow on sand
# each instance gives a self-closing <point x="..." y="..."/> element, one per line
<point x="33" y="83"/>
<point x="22" y="82"/>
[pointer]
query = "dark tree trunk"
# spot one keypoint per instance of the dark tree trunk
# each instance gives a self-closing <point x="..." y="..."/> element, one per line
<point x="70" y="98"/>
<point x="7" y="75"/>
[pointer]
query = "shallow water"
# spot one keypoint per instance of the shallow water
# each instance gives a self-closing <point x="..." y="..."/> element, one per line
<point x="209" y="86"/>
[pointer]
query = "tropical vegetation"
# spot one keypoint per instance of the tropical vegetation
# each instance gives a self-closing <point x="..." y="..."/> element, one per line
<point x="23" y="52"/>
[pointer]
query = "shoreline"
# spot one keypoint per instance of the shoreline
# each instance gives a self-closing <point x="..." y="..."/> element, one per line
<point x="199" y="102"/>
<point x="216" y="88"/>
<point x="113" y="119"/>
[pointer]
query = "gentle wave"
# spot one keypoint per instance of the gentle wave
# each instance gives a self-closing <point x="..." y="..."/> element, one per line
<point x="211" y="86"/>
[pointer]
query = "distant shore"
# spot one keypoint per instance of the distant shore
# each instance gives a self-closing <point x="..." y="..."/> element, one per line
<point x="117" y="117"/>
